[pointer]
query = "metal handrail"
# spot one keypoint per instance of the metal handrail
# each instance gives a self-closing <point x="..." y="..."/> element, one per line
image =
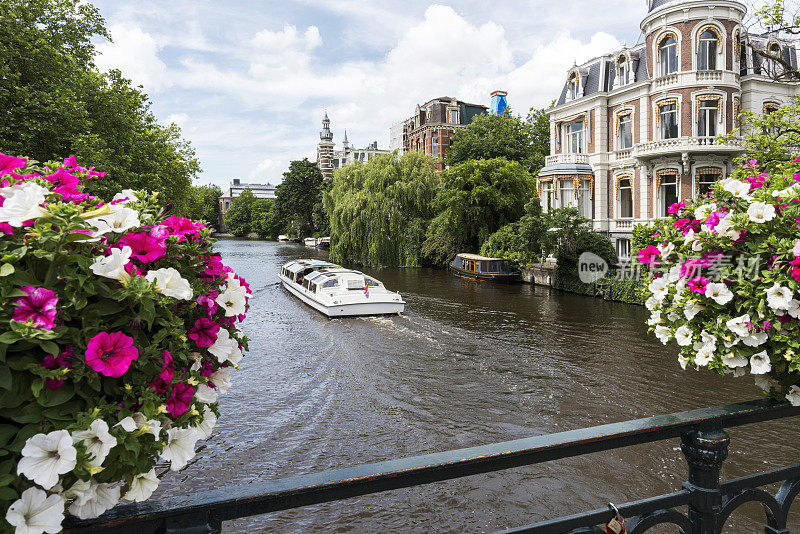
<point x="214" y="506"/>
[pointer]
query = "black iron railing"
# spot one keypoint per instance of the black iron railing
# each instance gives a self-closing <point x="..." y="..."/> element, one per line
<point x="704" y="443"/>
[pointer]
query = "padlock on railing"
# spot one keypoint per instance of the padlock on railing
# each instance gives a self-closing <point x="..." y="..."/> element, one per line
<point x="617" y="523"/>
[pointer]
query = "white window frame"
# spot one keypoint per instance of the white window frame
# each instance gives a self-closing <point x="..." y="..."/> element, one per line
<point x="548" y="201"/>
<point x="620" y="118"/>
<point x="566" y="193"/>
<point x="584" y="200"/>
<point x="629" y="179"/>
<point x="704" y="109"/>
<point x="662" y="197"/>
<point x="623" y="248"/>
<point x="580" y="134"/>
<point x="674" y="46"/>
<point x="676" y="111"/>
<point x="721" y="38"/>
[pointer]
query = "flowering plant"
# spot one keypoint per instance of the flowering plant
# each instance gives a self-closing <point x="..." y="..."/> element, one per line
<point x="117" y="334"/>
<point x="726" y="271"/>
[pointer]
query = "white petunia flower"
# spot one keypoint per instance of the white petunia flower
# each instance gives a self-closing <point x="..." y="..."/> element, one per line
<point x="128" y="424"/>
<point x="725" y="228"/>
<point x="760" y="212"/>
<point x="142" y="486"/>
<point x="113" y="266"/>
<point x="225" y="348"/>
<point x="221" y="378"/>
<point x="197" y="359"/>
<point x="45" y="456"/>
<point x="22" y="203"/>
<point x="719" y="293"/>
<point x="738" y="188"/>
<point x="702" y="212"/>
<point x="682" y="361"/>
<point x="738" y="325"/>
<point x="673" y="316"/>
<point x="97" y="440"/>
<point x="683" y="335"/>
<point x="788" y="192"/>
<point x="796" y="248"/>
<point x="779" y="297"/>
<point x="765" y="383"/>
<point x="759" y="363"/>
<point x="794" y="395"/>
<point x="206" y="394"/>
<point x="659" y="288"/>
<point x="128" y="194"/>
<point x="233" y="300"/>
<point x="179" y="448"/>
<point x="692" y="309"/>
<point x="36" y="513"/>
<point x="208" y="423"/>
<point x="92" y="499"/>
<point x="663" y="334"/>
<point x="704" y="356"/>
<point x="674" y="273"/>
<point x="690" y="237"/>
<point x="119" y="219"/>
<point x="152" y="426"/>
<point x="734" y="360"/>
<point x="794" y="308"/>
<point x="170" y="282"/>
<point x="666" y="249"/>
<point x="651" y="303"/>
<point x="679" y="287"/>
<point x="755" y="339"/>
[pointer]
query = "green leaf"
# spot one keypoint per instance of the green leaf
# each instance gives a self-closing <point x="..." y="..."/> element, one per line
<point x="48" y="346"/>
<point x="5" y="377"/>
<point x="8" y="338"/>
<point x="8" y="494"/>
<point x="5" y="480"/>
<point x="6" y="269"/>
<point x="36" y="386"/>
<point x="7" y="432"/>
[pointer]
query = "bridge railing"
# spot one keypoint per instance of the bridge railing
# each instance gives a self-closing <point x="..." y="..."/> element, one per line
<point x="704" y="443"/>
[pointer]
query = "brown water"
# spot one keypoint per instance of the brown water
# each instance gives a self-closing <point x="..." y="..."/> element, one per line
<point x="468" y="363"/>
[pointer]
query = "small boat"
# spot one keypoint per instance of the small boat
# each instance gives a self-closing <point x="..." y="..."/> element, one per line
<point x="483" y="268"/>
<point x="336" y="291"/>
<point x="310" y="241"/>
<point x="324" y="242"/>
<point x="283" y="237"/>
<point x="294" y="239"/>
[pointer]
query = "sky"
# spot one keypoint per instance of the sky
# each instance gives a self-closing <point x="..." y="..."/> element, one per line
<point x="248" y="81"/>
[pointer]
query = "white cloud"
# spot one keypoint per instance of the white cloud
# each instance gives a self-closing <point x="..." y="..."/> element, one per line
<point x="268" y="170"/>
<point x="135" y="53"/>
<point x="288" y="38"/>
<point x="180" y="119"/>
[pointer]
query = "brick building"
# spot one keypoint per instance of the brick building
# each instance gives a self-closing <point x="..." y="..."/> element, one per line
<point x="432" y="126"/>
<point x="635" y="131"/>
<point x="237" y="188"/>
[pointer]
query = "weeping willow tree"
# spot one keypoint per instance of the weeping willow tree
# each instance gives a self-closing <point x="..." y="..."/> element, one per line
<point x="379" y="211"/>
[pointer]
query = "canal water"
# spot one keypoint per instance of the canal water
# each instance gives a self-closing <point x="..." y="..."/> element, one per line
<point x="468" y="363"/>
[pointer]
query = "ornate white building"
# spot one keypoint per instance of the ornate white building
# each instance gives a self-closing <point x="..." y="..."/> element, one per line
<point x="329" y="159"/>
<point x="635" y="131"/>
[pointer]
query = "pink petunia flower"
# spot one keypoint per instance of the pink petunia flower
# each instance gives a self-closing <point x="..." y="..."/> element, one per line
<point x="209" y="301"/>
<point x="57" y="362"/>
<point x="204" y="332"/>
<point x="39" y="306"/>
<point x="111" y="354"/>
<point x="164" y="378"/>
<point x="675" y="208"/>
<point x="62" y="177"/>
<point x="698" y="284"/>
<point x="146" y="247"/>
<point x="9" y="163"/>
<point x="180" y="399"/>
<point x="5" y="227"/>
<point x="181" y="226"/>
<point x="649" y="255"/>
<point x="214" y="266"/>
<point x="71" y="194"/>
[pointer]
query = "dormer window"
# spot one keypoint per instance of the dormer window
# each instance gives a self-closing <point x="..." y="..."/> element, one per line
<point x="668" y="53"/>
<point x="707" y="50"/>
<point x="574" y="87"/>
<point x="772" y="66"/>
<point x="622" y="71"/>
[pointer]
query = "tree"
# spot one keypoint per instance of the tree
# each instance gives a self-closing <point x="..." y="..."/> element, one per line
<point x="265" y="220"/>
<point x="503" y="136"/>
<point x="203" y="204"/>
<point x="299" y="193"/>
<point x="771" y="139"/>
<point x="238" y="217"/>
<point x="55" y="103"/>
<point x="476" y="198"/>
<point x="379" y="210"/>
<point x="780" y="21"/>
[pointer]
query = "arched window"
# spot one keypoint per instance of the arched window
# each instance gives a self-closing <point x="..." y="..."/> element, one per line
<point x="772" y="66"/>
<point x="625" y="198"/>
<point x="707" y="116"/>
<point x="707" y="50"/>
<point x="623" y="72"/>
<point x="574" y="87"/>
<point x="706" y="178"/>
<point x="667" y="190"/>
<point x="668" y="54"/>
<point x="668" y="119"/>
<point x="624" y="131"/>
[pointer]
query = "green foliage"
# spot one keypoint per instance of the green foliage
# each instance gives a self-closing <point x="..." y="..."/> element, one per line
<point x="299" y="196"/>
<point x="203" y="204"/>
<point x="55" y="102"/>
<point x="264" y="219"/>
<point x="623" y="290"/>
<point x="503" y="136"/>
<point x="379" y="211"/>
<point x="238" y="219"/>
<point x="476" y="198"/>
<point x="572" y="245"/>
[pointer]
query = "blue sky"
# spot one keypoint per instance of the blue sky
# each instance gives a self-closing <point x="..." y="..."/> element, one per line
<point x="248" y="81"/>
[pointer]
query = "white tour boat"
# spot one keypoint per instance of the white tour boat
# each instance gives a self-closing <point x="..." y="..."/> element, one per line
<point x="336" y="291"/>
<point x="310" y="241"/>
<point x="283" y="237"/>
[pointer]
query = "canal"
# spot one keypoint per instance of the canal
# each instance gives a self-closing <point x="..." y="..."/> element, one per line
<point x="468" y="363"/>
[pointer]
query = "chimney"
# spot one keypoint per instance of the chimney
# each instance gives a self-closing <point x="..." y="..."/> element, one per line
<point x="236" y="181"/>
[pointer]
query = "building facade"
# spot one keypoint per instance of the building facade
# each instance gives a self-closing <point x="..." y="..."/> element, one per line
<point x="237" y="188"/>
<point x="635" y="131"/>
<point x="329" y="159"/>
<point x="433" y="124"/>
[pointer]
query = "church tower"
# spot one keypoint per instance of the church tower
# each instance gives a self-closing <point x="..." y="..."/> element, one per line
<point x="325" y="149"/>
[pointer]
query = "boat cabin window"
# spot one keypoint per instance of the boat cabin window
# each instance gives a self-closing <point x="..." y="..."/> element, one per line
<point x="333" y="282"/>
<point x="371" y="282"/>
<point x="356" y="283"/>
<point x="312" y="287"/>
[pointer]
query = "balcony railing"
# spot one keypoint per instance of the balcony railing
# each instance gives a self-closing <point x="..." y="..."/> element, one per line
<point x="685" y="144"/>
<point x="566" y="158"/>
<point x="623" y="154"/>
<point x="665" y="81"/>
<point x="704" y="443"/>
<point x="709" y="76"/>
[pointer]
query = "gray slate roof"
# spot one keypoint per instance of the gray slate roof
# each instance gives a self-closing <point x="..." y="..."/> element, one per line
<point x="591" y="73"/>
<point x="656" y="4"/>
<point x="566" y="168"/>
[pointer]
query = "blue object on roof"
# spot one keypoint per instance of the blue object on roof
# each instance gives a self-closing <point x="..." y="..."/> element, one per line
<point x="499" y="103"/>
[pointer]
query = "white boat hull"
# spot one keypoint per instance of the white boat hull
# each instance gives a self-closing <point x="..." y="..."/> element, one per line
<point x="376" y="307"/>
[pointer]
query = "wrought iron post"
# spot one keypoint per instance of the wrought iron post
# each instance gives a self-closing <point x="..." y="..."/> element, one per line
<point x="705" y="450"/>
